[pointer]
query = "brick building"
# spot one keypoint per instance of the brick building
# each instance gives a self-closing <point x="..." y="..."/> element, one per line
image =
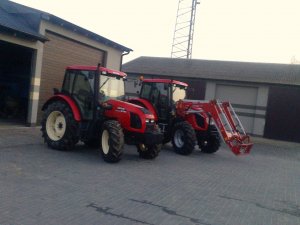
<point x="265" y="96"/>
<point x="35" y="48"/>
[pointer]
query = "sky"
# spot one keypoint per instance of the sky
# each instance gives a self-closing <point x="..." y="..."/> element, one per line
<point x="231" y="30"/>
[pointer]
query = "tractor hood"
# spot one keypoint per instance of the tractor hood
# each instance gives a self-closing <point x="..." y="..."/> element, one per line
<point x="124" y="107"/>
<point x="132" y="118"/>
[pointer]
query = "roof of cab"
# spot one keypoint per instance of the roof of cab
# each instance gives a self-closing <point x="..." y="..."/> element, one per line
<point x="168" y="81"/>
<point x="94" y="68"/>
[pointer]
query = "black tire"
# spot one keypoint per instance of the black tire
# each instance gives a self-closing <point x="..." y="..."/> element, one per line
<point x="112" y="141"/>
<point x="183" y="138"/>
<point x="148" y="151"/>
<point x="209" y="143"/>
<point x="69" y="129"/>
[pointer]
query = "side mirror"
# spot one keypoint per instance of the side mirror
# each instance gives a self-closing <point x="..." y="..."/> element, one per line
<point x="138" y="92"/>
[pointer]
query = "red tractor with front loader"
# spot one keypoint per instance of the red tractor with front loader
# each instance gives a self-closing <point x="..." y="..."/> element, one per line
<point x="90" y="108"/>
<point x="190" y="122"/>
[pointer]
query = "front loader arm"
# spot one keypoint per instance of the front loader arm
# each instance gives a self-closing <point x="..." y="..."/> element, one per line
<point x="226" y="121"/>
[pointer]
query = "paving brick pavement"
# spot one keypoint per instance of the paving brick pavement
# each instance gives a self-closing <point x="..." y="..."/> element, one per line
<point x="39" y="185"/>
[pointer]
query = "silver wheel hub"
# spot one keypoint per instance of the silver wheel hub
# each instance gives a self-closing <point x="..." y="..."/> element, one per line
<point x="178" y="138"/>
<point x="143" y="147"/>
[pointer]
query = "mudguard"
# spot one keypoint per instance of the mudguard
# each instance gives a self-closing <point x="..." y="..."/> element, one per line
<point x="69" y="101"/>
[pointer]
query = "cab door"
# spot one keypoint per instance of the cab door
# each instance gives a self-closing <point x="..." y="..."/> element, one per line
<point x="78" y="85"/>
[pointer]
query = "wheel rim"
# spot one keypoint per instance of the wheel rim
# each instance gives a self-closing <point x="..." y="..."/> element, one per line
<point x="143" y="147"/>
<point x="56" y="125"/>
<point x="104" y="142"/>
<point x="178" y="138"/>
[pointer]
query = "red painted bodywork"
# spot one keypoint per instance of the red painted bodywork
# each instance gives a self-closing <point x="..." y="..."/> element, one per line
<point x="221" y="113"/>
<point x="187" y="110"/>
<point x="121" y="112"/>
<point x="94" y="68"/>
<point x="167" y="81"/>
<point x="69" y="101"/>
<point x="225" y="120"/>
<point x="146" y="104"/>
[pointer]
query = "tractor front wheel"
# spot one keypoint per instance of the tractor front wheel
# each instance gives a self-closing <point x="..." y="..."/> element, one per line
<point x="59" y="127"/>
<point x="210" y="143"/>
<point x="148" y="151"/>
<point x="112" y="141"/>
<point x="183" y="138"/>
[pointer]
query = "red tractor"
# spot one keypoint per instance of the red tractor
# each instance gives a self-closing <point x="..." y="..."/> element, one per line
<point x="188" y="122"/>
<point x="89" y="108"/>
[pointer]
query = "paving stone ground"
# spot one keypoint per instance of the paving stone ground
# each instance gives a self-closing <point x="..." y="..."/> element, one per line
<point x="39" y="185"/>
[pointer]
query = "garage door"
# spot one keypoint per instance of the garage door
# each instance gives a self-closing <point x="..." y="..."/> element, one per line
<point x="243" y="100"/>
<point x="282" y="119"/>
<point x="59" y="53"/>
<point x="15" y="75"/>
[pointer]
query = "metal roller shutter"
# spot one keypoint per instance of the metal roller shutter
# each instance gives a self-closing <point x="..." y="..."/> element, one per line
<point x="243" y="100"/>
<point x="60" y="52"/>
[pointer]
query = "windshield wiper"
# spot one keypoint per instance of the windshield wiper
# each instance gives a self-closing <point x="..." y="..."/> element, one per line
<point x="104" y="83"/>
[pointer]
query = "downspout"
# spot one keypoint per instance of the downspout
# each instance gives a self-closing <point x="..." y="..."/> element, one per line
<point x="123" y="54"/>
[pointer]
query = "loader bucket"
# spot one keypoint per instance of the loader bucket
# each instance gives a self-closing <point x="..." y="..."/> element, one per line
<point x="240" y="145"/>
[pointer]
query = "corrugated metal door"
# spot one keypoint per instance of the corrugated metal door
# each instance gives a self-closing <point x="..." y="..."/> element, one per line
<point x="243" y="100"/>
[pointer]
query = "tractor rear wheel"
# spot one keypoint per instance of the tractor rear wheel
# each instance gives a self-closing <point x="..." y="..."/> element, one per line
<point x="59" y="127"/>
<point x="211" y="142"/>
<point x="148" y="151"/>
<point x="183" y="138"/>
<point x="112" y="141"/>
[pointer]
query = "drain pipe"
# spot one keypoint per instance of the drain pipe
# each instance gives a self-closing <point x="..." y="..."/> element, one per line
<point x="123" y="54"/>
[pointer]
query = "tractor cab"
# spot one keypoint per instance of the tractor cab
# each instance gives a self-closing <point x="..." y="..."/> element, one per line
<point x="81" y="81"/>
<point x="163" y="93"/>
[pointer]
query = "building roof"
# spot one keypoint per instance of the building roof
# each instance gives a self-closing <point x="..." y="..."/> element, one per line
<point x="24" y="21"/>
<point x="270" y="73"/>
<point x="20" y="20"/>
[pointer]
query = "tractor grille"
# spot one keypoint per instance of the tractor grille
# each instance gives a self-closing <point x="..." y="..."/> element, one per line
<point x="150" y="127"/>
<point x="135" y="121"/>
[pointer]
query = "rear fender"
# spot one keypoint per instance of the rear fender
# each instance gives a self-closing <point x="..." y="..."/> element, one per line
<point x="71" y="103"/>
<point x="146" y="104"/>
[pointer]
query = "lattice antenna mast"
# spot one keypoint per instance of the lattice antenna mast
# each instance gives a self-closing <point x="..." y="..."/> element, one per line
<point x="184" y="29"/>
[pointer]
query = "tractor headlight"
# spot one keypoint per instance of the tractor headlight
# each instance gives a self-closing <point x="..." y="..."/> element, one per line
<point x="149" y="121"/>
